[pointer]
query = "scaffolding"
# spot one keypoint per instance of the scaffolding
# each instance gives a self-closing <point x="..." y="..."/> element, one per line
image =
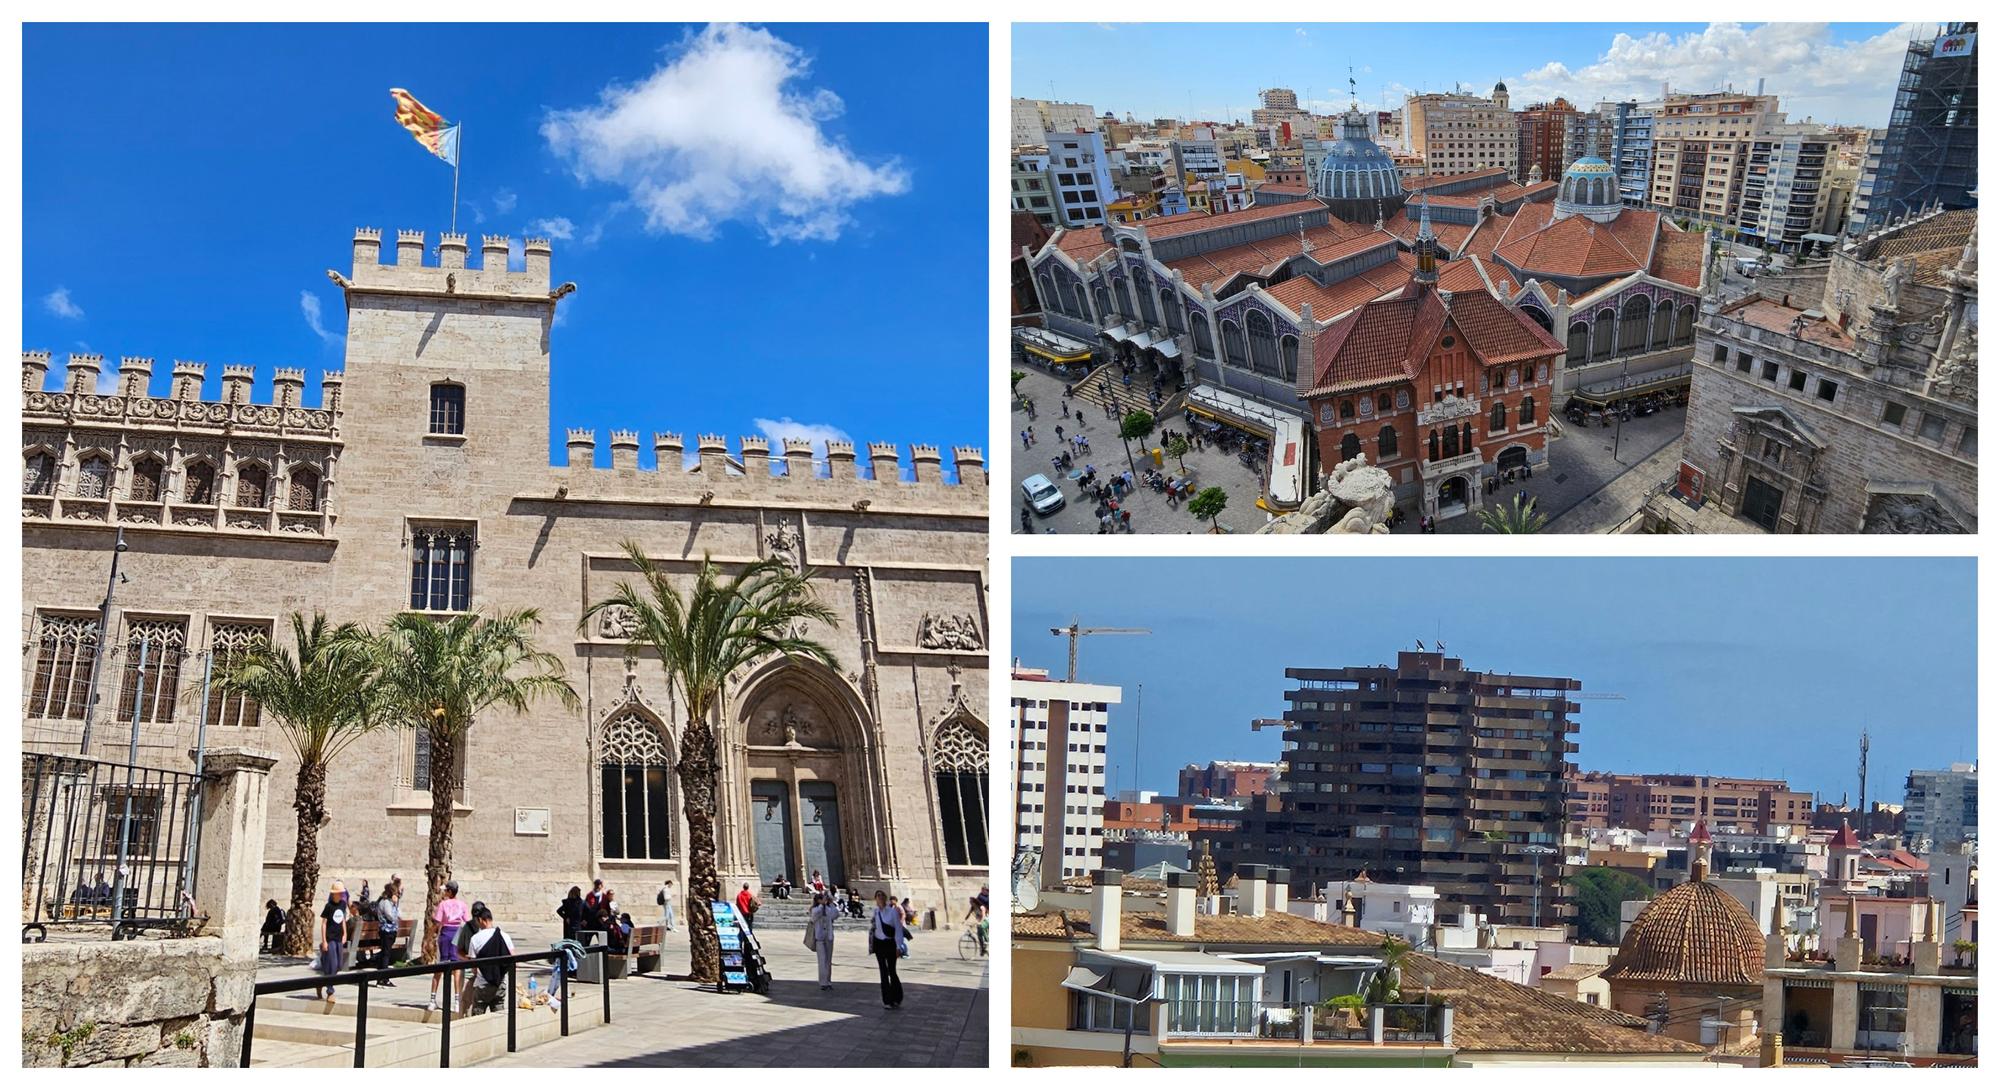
<point x="1930" y="152"/>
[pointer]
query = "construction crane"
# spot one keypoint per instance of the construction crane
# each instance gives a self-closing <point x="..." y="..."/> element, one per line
<point x="1074" y="630"/>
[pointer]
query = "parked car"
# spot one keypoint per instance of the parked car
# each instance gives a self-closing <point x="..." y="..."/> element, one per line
<point x="1043" y="495"/>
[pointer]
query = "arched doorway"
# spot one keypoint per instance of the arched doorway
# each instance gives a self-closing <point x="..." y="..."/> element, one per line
<point x="1515" y="457"/>
<point x="1452" y="497"/>
<point x="808" y="772"/>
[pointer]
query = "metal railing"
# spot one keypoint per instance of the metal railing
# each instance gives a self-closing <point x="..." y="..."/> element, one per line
<point x="106" y="844"/>
<point x="362" y="978"/>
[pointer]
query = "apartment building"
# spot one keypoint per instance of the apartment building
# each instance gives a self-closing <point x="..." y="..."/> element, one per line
<point x="1541" y="137"/>
<point x="1080" y="172"/>
<point x="1671" y="803"/>
<point x="1632" y="148"/>
<point x="1059" y="736"/>
<point x="1032" y="189"/>
<point x="1427" y="772"/>
<point x="1941" y="806"/>
<point x="1701" y="152"/>
<point x="1784" y="187"/>
<point x="1033" y="117"/>
<point x="1458" y="133"/>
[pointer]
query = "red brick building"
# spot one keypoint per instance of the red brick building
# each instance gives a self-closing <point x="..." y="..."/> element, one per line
<point x="1226" y="779"/>
<point x="1440" y="387"/>
<point x="1542" y="127"/>
<point x="1661" y="803"/>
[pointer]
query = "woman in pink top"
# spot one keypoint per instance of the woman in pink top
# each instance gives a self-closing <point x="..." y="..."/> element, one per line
<point x="451" y="915"/>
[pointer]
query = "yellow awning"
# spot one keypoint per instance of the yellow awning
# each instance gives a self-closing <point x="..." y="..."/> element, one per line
<point x="1057" y="357"/>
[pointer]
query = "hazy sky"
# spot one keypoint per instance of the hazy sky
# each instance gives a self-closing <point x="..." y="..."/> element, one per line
<point x="1842" y="72"/>
<point x="1749" y="667"/>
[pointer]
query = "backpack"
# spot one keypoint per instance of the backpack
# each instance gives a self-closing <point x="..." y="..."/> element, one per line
<point x="494" y="975"/>
<point x="660" y="898"/>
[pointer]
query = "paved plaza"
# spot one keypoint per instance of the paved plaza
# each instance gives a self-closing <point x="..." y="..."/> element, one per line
<point x="1151" y="513"/>
<point x="659" y="1021"/>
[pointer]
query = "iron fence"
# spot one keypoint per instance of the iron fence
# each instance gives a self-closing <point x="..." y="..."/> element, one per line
<point x="106" y="844"/>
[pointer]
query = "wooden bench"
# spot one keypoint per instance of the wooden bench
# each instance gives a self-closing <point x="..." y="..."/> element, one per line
<point x="646" y="943"/>
<point x="365" y="939"/>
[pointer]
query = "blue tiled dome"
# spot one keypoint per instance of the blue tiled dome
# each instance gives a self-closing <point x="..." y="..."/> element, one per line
<point x="1589" y="188"/>
<point x="1355" y="168"/>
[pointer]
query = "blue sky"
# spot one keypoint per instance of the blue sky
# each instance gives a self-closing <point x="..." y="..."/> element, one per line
<point x="1832" y="72"/>
<point x="1749" y="667"/>
<point x="772" y="224"/>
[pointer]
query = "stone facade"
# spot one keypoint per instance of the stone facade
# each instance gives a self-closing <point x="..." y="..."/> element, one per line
<point x="149" y="1003"/>
<point x="830" y="768"/>
<point x="1848" y="402"/>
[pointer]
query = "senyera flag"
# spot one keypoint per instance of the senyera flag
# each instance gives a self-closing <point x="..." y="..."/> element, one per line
<point x="427" y="125"/>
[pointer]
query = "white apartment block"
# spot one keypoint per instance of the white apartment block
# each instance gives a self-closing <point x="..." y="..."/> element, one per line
<point x="1032" y="117"/>
<point x="1059" y="738"/>
<point x="1460" y="134"/>
<point x="1082" y="176"/>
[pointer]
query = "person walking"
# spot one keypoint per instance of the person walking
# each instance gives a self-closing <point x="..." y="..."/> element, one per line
<point x="572" y="912"/>
<point x="388" y="923"/>
<point x="332" y="936"/>
<point x="666" y="901"/>
<point x="819" y="936"/>
<point x="746" y="906"/>
<point x="451" y="916"/>
<point x="888" y="937"/>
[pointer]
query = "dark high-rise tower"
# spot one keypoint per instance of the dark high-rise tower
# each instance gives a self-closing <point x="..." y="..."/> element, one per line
<point x="1423" y="773"/>
<point x="1930" y="151"/>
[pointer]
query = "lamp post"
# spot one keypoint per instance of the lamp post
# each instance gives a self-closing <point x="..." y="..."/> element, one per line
<point x="1540" y="852"/>
<point x="103" y="637"/>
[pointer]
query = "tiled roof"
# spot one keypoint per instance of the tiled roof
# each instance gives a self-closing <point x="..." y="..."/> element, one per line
<point x="1271" y="928"/>
<point x="1263" y="255"/>
<point x="1678" y="256"/>
<point x="1537" y="242"/>
<point x="1947" y="230"/>
<point x="1404" y="226"/>
<point x="1389" y="339"/>
<point x="1268" y="187"/>
<point x="1494" y="1015"/>
<point x="1083" y="244"/>
<point x="1428" y="180"/>
<point x="1573" y="971"/>
<point x="1175" y="226"/>
<point x="1331" y="301"/>
<point x="1693" y="933"/>
<point x="1027" y="232"/>
<point x="1778" y="318"/>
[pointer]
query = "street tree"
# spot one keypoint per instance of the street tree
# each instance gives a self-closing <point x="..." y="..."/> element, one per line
<point x="1137" y="424"/>
<point x="1207" y="504"/>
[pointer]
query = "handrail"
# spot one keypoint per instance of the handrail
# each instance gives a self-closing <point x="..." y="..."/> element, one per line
<point x="362" y="978"/>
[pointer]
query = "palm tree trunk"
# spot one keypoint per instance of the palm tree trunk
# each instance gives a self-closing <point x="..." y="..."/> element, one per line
<point x="437" y="867"/>
<point x="698" y="790"/>
<point x="309" y="801"/>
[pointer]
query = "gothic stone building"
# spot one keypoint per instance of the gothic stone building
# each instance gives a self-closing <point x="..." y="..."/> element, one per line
<point x="1845" y="399"/>
<point x="422" y="481"/>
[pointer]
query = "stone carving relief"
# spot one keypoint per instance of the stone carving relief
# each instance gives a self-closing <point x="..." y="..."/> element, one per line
<point x="783" y="543"/>
<point x="617" y="623"/>
<point x="1892" y="283"/>
<point x="632" y="739"/>
<point x="1908" y="515"/>
<point x="1957" y="378"/>
<point x="948" y="632"/>
<point x="794" y="724"/>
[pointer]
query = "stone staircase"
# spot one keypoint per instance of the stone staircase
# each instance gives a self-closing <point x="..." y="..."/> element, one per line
<point x="300" y="1031"/>
<point x="779" y="917"/>
<point x="1123" y="399"/>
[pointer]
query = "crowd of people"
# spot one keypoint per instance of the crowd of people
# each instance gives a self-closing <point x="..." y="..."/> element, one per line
<point x="364" y="930"/>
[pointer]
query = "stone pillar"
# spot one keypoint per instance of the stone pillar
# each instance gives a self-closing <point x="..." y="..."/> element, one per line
<point x="840" y="459"/>
<point x="34" y="371"/>
<point x="236" y="381"/>
<point x="799" y="458"/>
<point x="667" y="448"/>
<point x="493" y="253"/>
<point x="288" y="387"/>
<point x="970" y="465"/>
<point x="925" y="463"/>
<point x="714" y="453"/>
<point x="229" y="873"/>
<point x="409" y="249"/>
<point x="624" y="449"/>
<point x="1846" y="1015"/>
<point x="451" y="251"/>
<point x="330" y="384"/>
<point x="1375" y="1024"/>
<point x="1445" y="1019"/>
<point x="581" y="448"/>
<point x="756" y="456"/>
<point x="1923" y="1018"/>
<point x="83" y="370"/>
<point x="135" y="376"/>
<point x="882" y="459"/>
<point x="188" y="378"/>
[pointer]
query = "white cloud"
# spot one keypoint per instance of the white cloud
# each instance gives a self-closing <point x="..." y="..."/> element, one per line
<point x="555" y="227"/>
<point x="1811" y="73"/>
<point x="61" y="305"/>
<point x="309" y="306"/>
<point x="777" y="431"/>
<point x="720" y="132"/>
<point x="503" y="201"/>
<point x="107" y="381"/>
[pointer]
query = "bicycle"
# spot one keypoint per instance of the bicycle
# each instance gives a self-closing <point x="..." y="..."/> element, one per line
<point x="972" y="941"/>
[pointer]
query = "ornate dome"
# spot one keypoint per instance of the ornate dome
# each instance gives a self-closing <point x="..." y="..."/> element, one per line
<point x="1692" y="934"/>
<point x="1589" y="188"/>
<point x="1356" y="169"/>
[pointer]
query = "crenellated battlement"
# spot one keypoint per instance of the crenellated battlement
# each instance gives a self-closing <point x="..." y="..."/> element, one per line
<point x="756" y="469"/>
<point x="131" y="403"/>
<point x="448" y="273"/>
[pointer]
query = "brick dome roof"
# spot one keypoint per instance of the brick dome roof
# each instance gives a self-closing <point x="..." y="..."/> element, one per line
<point x="1692" y="934"/>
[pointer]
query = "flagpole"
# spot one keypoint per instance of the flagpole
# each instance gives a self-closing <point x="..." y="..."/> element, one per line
<point x="454" y="176"/>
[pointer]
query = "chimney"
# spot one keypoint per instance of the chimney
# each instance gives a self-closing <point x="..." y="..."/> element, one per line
<point x="135" y="376"/>
<point x="1180" y="903"/>
<point x="624" y="449"/>
<point x="582" y="448"/>
<point x="1278" y="896"/>
<point x="1250" y="879"/>
<point x="1774" y="943"/>
<point x="1107" y="890"/>
<point x="1347" y="913"/>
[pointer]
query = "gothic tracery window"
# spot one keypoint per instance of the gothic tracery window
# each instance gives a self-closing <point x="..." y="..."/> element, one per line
<point x="93" y="480"/>
<point x="147" y="474"/>
<point x="229" y="640"/>
<point x="959" y="761"/>
<point x="40" y="476"/>
<point x="637" y="799"/>
<point x="303" y="495"/>
<point x="64" y="648"/>
<point x="152" y="675"/>
<point x="441" y="569"/>
<point x="253" y="485"/>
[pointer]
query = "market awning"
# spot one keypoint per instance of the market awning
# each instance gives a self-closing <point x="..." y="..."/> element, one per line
<point x="1055" y="355"/>
<point x="1117" y="333"/>
<point x="1169" y="348"/>
<point x="1142" y="340"/>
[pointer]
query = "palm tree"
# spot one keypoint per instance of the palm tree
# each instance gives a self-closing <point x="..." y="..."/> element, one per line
<point x="703" y="636"/>
<point x="322" y="700"/>
<point x="437" y="676"/>
<point x="1518" y="516"/>
<point x="1386" y="986"/>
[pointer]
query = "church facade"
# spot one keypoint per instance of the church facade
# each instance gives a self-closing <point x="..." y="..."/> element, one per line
<point x="421" y="481"/>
